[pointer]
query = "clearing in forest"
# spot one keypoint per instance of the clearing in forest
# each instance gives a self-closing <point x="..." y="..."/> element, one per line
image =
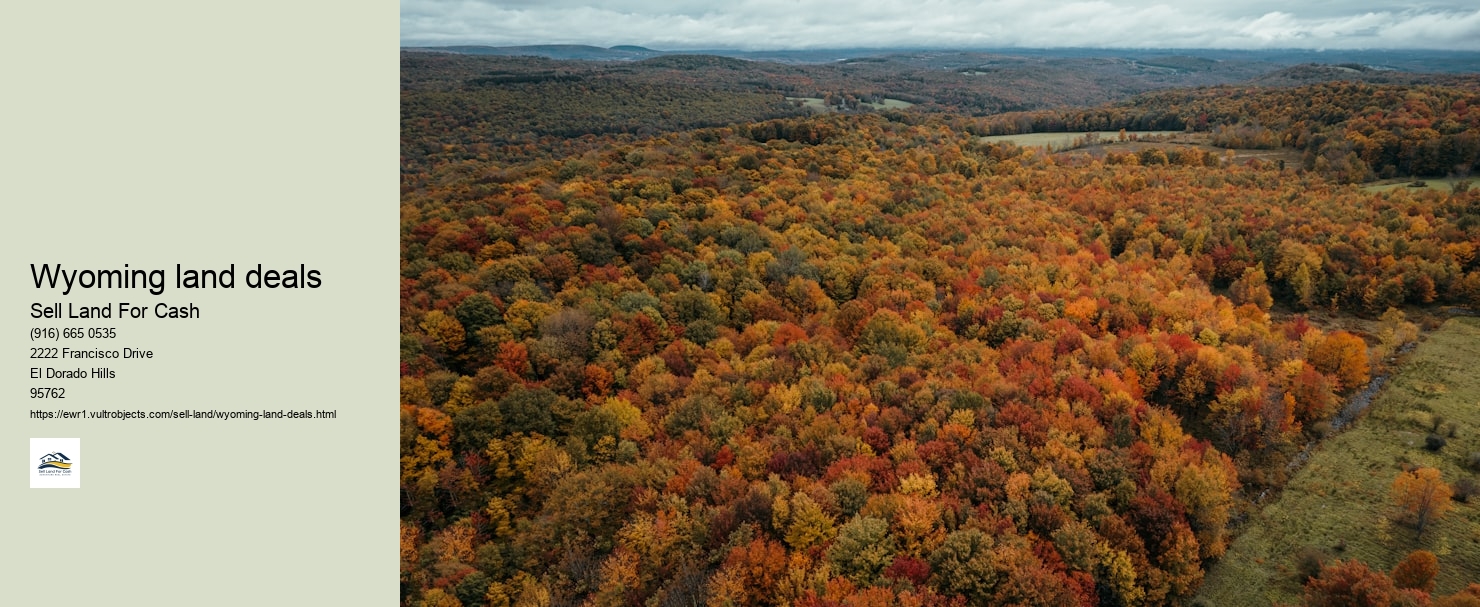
<point x="1137" y="141"/>
<point x="1340" y="502"/>
<point x="1059" y="141"/>
<point x="1443" y="184"/>
<point x="819" y="106"/>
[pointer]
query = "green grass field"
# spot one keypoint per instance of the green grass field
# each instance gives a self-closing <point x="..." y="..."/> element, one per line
<point x="1062" y="140"/>
<point x="1443" y="184"/>
<point x="897" y="104"/>
<point x="1340" y="502"/>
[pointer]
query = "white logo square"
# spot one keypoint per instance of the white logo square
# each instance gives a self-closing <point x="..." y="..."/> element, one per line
<point x="56" y="463"/>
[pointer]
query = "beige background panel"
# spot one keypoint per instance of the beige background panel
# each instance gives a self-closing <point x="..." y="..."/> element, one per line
<point x="206" y="134"/>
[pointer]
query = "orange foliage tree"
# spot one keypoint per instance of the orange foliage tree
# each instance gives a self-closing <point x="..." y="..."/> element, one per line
<point x="1421" y="496"/>
<point x="1349" y="584"/>
<point x="1417" y="571"/>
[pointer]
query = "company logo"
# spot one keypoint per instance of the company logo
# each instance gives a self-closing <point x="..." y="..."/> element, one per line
<point x="56" y="463"/>
<point x="56" y="460"/>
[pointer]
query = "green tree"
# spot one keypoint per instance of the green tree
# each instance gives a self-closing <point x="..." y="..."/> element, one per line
<point x="888" y="335"/>
<point x="531" y="411"/>
<point x="473" y="427"/>
<point x="863" y="549"/>
<point x="963" y="565"/>
<point x="477" y="311"/>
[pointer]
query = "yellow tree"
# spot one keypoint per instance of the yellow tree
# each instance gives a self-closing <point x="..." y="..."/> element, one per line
<point x="444" y="329"/>
<point x="810" y="525"/>
<point x="437" y="597"/>
<point x="1343" y="356"/>
<point x="1252" y="288"/>
<point x="1205" y="488"/>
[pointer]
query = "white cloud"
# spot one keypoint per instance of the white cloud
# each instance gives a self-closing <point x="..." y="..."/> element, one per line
<point x="797" y="24"/>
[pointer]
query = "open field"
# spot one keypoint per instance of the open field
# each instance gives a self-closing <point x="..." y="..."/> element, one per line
<point x="1340" y="502"/>
<point x="1060" y="141"/>
<point x="891" y="104"/>
<point x="812" y="103"/>
<point x="817" y="105"/>
<point x="1109" y="142"/>
<point x="1443" y="184"/>
<point x="1291" y="156"/>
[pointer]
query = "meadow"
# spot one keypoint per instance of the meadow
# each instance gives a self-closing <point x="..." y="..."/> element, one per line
<point x="1059" y="141"/>
<point x="1443" y="184"/>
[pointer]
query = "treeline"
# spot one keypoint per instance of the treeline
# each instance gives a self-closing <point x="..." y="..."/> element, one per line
<point x="1352" y="131"/>
<point x="846" y="360"/>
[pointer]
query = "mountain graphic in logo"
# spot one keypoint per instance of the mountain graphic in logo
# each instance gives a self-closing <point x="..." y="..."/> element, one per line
<point x="55" y="460"/>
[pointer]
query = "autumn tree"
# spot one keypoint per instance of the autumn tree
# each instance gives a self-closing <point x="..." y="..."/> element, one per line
<point x="1343" y="356"/>
<point x="1309" y="393"/>
<point x="809" y="524"/>
<point x="1251" y="288"/>
<point x="963" y="565"/>
<point x="750" y="573"/>
<point x="436" y="597"/>
<point x="1468" y="597"/>
<point x="1421" y="496"/>
<point x="1417" y="571"/>
<point x="1349" y="584"/>
<point x="445" y="330"/>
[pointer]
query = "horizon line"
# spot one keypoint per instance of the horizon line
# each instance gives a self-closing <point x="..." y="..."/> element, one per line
<point x="944" y="48"/>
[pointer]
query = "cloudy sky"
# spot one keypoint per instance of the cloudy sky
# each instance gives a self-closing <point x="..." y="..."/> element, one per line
<point x="802" y="24"/>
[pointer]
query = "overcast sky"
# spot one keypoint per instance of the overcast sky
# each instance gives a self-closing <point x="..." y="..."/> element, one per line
<point x="803" y="24"/>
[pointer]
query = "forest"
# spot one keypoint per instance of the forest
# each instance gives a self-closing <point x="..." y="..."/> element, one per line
<point x="752" y="357"/>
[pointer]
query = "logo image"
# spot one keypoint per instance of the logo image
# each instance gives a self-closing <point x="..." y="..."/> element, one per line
<point x="56" y="461"/>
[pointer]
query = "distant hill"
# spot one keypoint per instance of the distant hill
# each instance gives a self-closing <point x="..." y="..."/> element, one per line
<point x="579" y="52"/>
<point x="627" y="52"/>
<point x="1168" y="60"/>
<point x="520" y="94"/>
<point x="1312" y="73"/>
<point x="696" y="62"/>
